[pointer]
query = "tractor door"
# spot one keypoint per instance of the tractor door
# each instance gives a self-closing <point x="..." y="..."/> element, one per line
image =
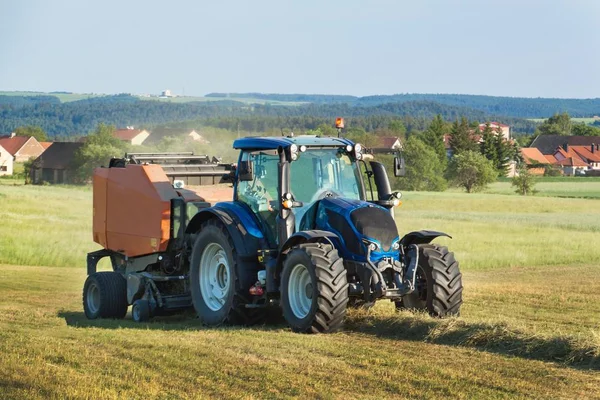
<point x="260" y="193"/>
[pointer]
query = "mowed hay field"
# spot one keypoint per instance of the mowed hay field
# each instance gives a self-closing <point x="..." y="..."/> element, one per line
<point x="530" y="323"/>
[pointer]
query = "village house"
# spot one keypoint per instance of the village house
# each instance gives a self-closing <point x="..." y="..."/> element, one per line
<point x="22" y="148"/>
<point x="497" y="127"/>
<point x="132" y="136"/>
<point x="55" y="164"/>
<point x="535" y="161"/>
<point x="6" y="162"/>
<point x="391" y="142"/>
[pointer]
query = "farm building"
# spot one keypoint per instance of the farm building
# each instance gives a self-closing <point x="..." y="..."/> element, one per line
<point x="22" y="148"/>
<point x="132" y="136"/>
<point x="6" y="162"/>
<point x="54" y="165"/>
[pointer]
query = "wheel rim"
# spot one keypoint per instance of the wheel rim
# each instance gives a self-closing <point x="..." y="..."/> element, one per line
<point x="214" y="276"/>
<point x="300" y="291"/>
<point x="136" y="312"/>
<point x="93" y="298"/>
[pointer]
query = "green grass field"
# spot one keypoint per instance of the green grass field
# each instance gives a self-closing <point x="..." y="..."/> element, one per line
<point x="529" y="327"/>
<point x="575" y="119"/>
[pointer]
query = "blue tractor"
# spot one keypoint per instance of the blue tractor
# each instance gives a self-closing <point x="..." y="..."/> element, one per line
<point x="300" y="233"/>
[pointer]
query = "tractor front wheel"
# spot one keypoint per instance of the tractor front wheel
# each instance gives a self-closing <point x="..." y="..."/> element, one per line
<point x="438" y="286"/>
<point x="314" y="289"/>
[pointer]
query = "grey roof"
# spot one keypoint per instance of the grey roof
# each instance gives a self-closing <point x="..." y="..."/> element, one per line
<point x="547" y="144"/>
<point x="59" y="155"/>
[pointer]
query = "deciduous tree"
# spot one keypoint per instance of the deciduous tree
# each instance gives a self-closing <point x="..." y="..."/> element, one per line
<point x="424" y="170"/>
<point x="471" y="171"/>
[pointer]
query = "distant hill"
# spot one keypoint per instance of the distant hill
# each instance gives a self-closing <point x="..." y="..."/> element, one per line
<point x="519" y="107"/>
<point x="82" y="116"/>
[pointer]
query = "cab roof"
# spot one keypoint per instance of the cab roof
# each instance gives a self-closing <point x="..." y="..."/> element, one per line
<point x="271" y="143"/>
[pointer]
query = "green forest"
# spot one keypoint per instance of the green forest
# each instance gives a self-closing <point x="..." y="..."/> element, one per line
<point x="518" y="107"/>
<point x="64" y="120"/>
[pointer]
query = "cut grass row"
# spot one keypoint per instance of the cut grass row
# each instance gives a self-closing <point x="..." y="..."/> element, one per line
<point x="49" y="350"/>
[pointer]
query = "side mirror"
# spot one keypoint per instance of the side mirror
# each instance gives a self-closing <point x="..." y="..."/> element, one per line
<point x="399" y="167"/>
<point x="246" y="171"/>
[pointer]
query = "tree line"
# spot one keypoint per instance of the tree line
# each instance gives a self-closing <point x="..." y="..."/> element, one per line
<point x="64" y="120"/>
<point x="519" y="107"/>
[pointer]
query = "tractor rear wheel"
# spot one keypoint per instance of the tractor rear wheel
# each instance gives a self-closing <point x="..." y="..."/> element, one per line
<point x="105" y="295"/>
<point x="219" y="286"/>
<point x="314" y="289"/>
<point x="438" y="286"/>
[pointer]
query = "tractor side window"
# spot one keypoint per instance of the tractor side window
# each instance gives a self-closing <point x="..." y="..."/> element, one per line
<point x="260" y="194"/>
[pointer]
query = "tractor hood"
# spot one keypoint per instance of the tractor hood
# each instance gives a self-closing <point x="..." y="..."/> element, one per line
<point x="357" y="223"/>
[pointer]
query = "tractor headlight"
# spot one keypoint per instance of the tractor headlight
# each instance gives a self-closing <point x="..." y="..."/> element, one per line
<point x="349" y="148"/>
<point x="358" y="149"/>
<point x="294" y="152"/>
<point x="372" y="246"/>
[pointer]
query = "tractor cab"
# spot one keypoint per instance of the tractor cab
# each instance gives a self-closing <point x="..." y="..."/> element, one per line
<point x="287" y="177"/>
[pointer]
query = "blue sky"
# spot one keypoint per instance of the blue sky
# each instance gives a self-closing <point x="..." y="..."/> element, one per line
<point x="512" y="48"/>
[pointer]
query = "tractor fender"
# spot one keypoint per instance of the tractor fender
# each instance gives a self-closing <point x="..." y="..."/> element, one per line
<point x="311" y="236"/>
<point x="421" y="237"/>
<point x="243" y="230"/>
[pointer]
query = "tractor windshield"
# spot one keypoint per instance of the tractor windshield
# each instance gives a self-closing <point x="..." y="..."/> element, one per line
<point x="323" y="172"/>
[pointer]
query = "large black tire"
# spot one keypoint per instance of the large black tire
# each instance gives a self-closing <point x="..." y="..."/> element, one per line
<point x="438" y="287"/>
<point x="240" y="278"/>
<point x="325" y="292"/>
<point x="105" y="295"/>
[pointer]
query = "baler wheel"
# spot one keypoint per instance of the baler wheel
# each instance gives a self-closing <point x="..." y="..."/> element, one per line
<point x="314" y="289"/>
<point x="105" y="295"/>
<point x="438" y="287"/>
<point x="140" y="311"/>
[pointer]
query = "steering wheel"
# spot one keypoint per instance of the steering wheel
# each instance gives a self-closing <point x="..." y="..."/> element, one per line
<point x="327" y="193"/>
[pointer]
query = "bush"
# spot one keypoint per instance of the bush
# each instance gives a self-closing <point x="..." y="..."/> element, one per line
<point x="471" y="171"/>
<point x="524" y="182"/>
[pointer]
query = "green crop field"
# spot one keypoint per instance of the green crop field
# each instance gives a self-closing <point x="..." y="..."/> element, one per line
<point x="529" y="327"/>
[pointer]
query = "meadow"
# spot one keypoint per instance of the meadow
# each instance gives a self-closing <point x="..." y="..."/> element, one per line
<point x="529" y="326"/>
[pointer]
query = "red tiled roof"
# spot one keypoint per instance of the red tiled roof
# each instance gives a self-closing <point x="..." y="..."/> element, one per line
<point x="532" y="155"/>
<point x="585" y="152"/>
<point x="126" y="134"/>
<point x="551" y="159"/>
<point x="13" y="144"/>
<point x="388" y="141"/>
<point x="45" y="145"/>
<point x="572" y="162"/>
